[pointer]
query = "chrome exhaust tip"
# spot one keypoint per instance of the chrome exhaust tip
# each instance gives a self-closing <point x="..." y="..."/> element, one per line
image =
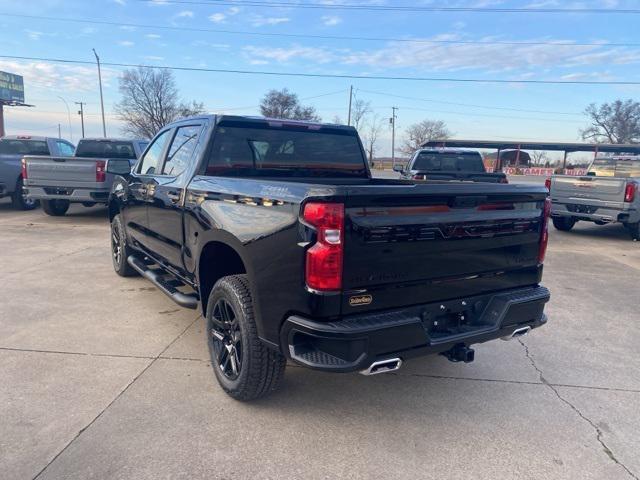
<point x="518" y="332"/>
<point x="383" y="366"/>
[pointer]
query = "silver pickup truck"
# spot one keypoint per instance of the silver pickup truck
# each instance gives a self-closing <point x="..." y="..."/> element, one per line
<point x="59" y="181"/>
<point x="607" y="194"/>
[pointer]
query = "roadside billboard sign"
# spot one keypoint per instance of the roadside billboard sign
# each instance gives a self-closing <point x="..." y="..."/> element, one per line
<point x="11" y="88"/>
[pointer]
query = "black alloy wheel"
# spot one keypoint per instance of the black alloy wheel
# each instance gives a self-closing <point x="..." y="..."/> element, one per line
<point x="227" y="339"/>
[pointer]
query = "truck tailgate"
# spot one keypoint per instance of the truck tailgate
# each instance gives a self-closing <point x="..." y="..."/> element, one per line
<point x="588" y="190"/>
<point x="423" y="242"/>
<point x="54" y="170"/>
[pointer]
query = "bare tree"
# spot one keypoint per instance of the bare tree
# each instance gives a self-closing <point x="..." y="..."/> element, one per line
<point x="285" y="104"/>
<point x="150" y="101"/>
<point x="372" y="130"/>
<point x="359" y="110"/>
<point x="419" y="133"/>
<point x="615" y="122"/>
<point x="539" y="157"/>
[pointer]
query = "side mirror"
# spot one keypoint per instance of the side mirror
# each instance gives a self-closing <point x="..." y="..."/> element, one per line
<point x="118" y="166"/>
<point x="398" y="168"/>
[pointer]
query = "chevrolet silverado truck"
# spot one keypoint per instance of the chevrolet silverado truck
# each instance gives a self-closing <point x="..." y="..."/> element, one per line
<point x="58" y="181"/>
<point x="12" y="149"/>
<point x="277" y="232"/>
<point x="448" y="164"/>
<point x="607" y="194"/>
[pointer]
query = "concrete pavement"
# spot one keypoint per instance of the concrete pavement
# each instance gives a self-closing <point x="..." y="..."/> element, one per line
<point x="103" y="377"/>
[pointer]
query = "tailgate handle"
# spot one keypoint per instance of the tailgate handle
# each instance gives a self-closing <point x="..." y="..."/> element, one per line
<point x="469" y="201"/>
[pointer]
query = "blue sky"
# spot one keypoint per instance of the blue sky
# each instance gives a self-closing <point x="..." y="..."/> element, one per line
<point x="481" y="110"/>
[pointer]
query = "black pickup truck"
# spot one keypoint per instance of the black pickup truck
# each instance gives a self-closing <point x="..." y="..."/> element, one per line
<point x="277" y="230"/>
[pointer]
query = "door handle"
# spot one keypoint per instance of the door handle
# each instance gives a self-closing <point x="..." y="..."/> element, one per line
<point x="174" y="196"/>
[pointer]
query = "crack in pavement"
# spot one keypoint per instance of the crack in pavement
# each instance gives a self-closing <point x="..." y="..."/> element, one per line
<point x="106" y="355"/>
<point x="154" y="359"/>
<point x="597" y="429"/>
<point x="49" y="260"/>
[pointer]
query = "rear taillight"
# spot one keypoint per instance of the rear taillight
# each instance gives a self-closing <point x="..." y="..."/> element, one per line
<point x="418" y="177"/>
<point x="544" y="233"/>
<point x="504" y="180"/>
<point x="547" y="183"/>
<point x="630" y="192"/>
<point x="101" y="174"/>
<point x="24" y="169"/>
<point x="324" y="259"/>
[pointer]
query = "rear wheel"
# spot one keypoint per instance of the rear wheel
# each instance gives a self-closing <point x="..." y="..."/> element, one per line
<point x="563" y="223"/>
<point x="244" y="367"/>
<point x="55" y="208"/>
<point x="120" y="250"/>
<point x="634" y="230"/>
<point x="20" y="200"/>
<point x="88" y="204"/>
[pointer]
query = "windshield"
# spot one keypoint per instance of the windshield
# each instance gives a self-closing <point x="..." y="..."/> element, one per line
<point x="105" y="149"/>
<point x="24" y="147"/>
<point x="285" y="151"/>
<point x="449" y="162"/>
<point x="615" y="167"/>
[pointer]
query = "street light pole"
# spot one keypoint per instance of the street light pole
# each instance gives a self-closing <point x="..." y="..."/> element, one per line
<point x="81" y="113"/>
<point x="68" y="116"/>
<point x="393" y="136"/>
<point x="350" y="99"/>
<point x="104" y="125"/>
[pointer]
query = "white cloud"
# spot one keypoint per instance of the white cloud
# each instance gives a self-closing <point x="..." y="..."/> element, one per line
<point x="127" y="28"/>
<point x="283" y="55"/>
<point x="88" y="30"/>
<point x="153" y="36"/>
<point x="153" y="58"/>
<point x="120" y="2"/>
<point x="217" y="17"/>
<point x="33" y="34"/>
<point x="185" y="14"/>
<point x="331" y="20"/>
<point x="259" y="20"/>
<point x="233" y="10"/>
<point x="126" y="43"/>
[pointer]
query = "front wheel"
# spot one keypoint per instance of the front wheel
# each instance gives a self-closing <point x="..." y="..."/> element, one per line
<point x="120" y="250"/>
<point x="20" y="200"/>
<point x="563" y="224"/>
<point x="55" y="208"/>
<point x="245" y="368"/>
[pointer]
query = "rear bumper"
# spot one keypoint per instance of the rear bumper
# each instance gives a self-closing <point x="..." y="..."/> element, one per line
<point x="72" y="194"/>
<point x="354" y="343"/>
<point x="595" y="213"/>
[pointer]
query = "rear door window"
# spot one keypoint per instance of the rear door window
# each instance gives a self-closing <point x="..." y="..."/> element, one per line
<point x="65" y="149"/>
<point x="449" y="162"/>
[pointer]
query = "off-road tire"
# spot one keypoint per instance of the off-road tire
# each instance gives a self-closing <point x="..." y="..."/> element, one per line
<point x="55" y="208"/>
<point x="634" y="230"/>
<point x="119" y="257"/>
<point x="563" y="224"/>
<point x="261" y="368"/>
<point x="19" y="201"/>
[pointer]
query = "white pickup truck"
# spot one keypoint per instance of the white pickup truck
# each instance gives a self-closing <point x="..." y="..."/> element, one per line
<point x="59" y="181"/>
<point x="607" y="194"/>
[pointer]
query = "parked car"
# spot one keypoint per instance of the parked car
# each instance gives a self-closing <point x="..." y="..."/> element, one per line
<point x="293" y="251"/>
<point x="448" y="164"/>
<point x="58" y="181"/>
<point x="607" y="194"/>
<point x="12" y="149"/>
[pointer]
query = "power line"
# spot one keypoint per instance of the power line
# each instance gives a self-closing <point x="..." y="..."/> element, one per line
<point x="565" y="43"/>
<point x="396" y="8"/>
<point x="429" y="100"/>
<point x="329" y="75"/>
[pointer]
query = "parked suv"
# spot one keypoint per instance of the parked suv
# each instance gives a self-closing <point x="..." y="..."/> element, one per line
<point x="276" y="230"/>
<point x="12" y="149"/>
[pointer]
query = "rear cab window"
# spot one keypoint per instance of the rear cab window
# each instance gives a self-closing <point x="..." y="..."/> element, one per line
<point x="105" y="149"/>
<point x="12" y="146"/>
<point x="285" y="150"/>
<point x="449" y="162"/>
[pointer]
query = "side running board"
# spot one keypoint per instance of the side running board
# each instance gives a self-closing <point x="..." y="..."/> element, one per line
<point x="187" y="300"/>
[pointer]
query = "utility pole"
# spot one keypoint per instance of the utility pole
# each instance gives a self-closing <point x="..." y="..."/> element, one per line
<point x="350" y="98"/>
<point x="104" y="125"/>
<point x="81" y="113"/>
<point x="59" y="132"/>
<point x="392" y="120"/>
<point x="68" y="117"/>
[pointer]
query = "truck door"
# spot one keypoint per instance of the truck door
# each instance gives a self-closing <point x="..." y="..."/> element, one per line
<point x="141" y="184"/>
<point x="167" y="195"/>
